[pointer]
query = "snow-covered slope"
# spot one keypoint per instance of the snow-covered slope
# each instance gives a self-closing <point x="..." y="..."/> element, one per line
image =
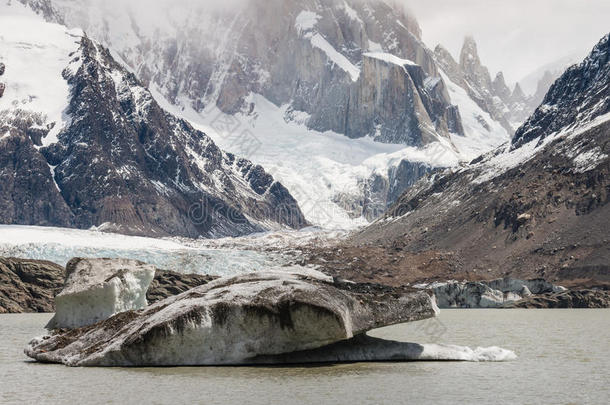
<point x="329" y="174"/>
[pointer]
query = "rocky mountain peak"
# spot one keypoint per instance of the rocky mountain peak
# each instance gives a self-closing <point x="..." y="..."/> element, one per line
<point x="517" y="94"/>
<point x="500" y="88"/>
<point x="580" y="95"/>
<point x="471" y="64"/>
<point x="469" y="54"/>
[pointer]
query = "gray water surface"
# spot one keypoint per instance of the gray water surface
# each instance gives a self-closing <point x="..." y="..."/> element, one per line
<point x="564" y="358"/>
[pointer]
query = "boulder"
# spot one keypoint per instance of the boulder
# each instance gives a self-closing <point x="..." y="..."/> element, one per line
<point x="97" y="289"/>
<point x="2" y="87"/>
<point x="2" y="68"/>
<point x="233" y="320"/>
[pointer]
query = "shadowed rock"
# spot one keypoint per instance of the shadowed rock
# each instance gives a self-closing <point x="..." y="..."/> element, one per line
<point x="231" y="320"/>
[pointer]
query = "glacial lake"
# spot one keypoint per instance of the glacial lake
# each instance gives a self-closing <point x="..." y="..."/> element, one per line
<point x="563" y="358"/>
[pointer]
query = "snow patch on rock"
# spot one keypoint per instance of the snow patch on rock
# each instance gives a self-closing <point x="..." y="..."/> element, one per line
<point x="389" y="58"/>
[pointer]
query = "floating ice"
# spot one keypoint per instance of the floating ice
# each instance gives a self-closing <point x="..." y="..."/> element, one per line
<point x="97" y="289"/>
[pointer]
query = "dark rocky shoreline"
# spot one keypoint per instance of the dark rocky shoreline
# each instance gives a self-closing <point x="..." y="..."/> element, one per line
<point x="30" y="286"/>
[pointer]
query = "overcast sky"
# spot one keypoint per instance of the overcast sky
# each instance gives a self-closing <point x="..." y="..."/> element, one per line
<point x="516" y="36"/>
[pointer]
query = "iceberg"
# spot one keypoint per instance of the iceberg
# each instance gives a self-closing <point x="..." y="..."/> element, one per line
<point x="97" y="289"/>
<point x="235" y="320"/>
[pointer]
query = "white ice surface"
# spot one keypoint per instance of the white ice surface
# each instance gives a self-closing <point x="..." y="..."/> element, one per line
<point x="388" y="57"/>
<point x="99" y="289"/>
<point x="318" y="41"/>
<point x="59" y="245"/>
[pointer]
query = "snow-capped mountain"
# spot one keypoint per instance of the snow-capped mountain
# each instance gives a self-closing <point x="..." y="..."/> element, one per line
<point x="83" y="143"/>
<point x="537" y="207"/>
<point x="330" y="59"/>
<point x="301" y="88"/>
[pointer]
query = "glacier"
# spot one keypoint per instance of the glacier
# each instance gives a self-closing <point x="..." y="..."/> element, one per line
<point x="59" y="245"/>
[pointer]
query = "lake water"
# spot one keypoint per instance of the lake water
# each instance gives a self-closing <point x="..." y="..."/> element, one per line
<point x="564" y="358"/>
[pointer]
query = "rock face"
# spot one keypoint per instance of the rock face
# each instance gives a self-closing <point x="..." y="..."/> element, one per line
<point x="2" y="85"/>
<point x="28" y="285"/>
<point x="230" y="321"/>
<point x="487" y="294"/>
<point x="123" y="162"/>
<point x="306" y="54"/>
<point x="28" y="194"/>
<point x="397" y="101"/>
<point x="97" y="289"/>
<point x="538" y="208"/>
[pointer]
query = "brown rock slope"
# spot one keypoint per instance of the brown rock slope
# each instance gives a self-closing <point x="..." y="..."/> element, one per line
<point x="540" y="219"/>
